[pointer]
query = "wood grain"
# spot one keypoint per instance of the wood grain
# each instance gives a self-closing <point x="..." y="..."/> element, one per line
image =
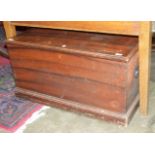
<point x="9" y="29"/>
<point x="89" y="44"/>
<point x="102" y="82"/>
<point x="89" y="110"/>
<point x="144" y="59"/>
<point x="125" y="28"/>
<point x="117" y="27"/>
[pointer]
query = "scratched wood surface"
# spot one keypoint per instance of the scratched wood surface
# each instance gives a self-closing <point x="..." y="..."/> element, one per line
<point x="91" y="69"/>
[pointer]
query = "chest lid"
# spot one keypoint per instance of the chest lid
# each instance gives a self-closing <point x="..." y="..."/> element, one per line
<point x="117" y="47"/>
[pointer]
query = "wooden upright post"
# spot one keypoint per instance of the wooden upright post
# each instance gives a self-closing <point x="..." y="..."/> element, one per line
<point x="10" y="29"/>
<point x="145" y="37"/>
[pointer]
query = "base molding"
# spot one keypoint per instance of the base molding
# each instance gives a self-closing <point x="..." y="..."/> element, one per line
<point x="119" y="118"/>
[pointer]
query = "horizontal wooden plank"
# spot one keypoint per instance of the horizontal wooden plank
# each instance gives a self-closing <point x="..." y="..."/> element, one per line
<point x="114" y="27"/>
<point x="106" y="71"/>
<point x="116" y="47"/>
<point x="92" y="111"/>
<point x="80" y="90"/>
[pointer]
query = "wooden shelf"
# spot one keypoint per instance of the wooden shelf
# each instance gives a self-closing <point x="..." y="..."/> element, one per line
<point x="127" y="28"/>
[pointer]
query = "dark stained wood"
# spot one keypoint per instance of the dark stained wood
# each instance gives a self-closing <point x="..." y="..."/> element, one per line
<point x="74" y="89"/>
<point x="92" y="111"/>
<point x="120" y="48"/>
<point x="70" y="65"/>
<point x="91" y="69"/>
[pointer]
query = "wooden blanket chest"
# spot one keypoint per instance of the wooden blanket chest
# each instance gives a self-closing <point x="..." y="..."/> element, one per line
<point x="96" y="74"/>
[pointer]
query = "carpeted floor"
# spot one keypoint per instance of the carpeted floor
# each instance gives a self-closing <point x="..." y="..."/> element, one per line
<point x="14" y="111"/>
<point x="56" y="120"/>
